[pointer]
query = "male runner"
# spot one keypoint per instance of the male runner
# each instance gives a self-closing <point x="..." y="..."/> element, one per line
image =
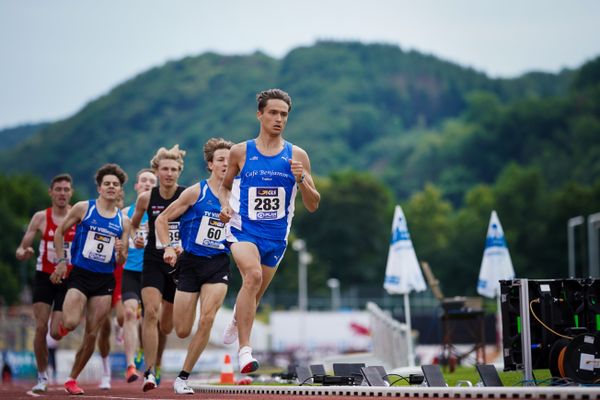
<point x="98" y="246"/>
<point x="271" y="171"/>
<point x="131" y="291"/>
<point x="47" y="298"/>
<point x="203" y="267"/>
<point x="158" y="286"/>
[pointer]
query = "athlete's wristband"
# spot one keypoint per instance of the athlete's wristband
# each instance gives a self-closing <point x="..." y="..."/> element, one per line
<point x="301" y="179"/>
<point x="65" y="259"/>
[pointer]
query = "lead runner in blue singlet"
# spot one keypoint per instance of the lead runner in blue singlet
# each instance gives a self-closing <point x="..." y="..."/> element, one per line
<point x="204" y="264"/>
<point x="100" y="244"/>
<point x="271" y="172"/>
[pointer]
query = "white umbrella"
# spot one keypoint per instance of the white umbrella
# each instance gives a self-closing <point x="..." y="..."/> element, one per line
<point x="402" y="272"/>
<point x="495" y="266"/>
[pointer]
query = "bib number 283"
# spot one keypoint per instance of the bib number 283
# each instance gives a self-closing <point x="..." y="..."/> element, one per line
<point x="266" y="203"/>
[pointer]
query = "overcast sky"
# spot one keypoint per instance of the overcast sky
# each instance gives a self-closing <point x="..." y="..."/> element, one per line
<point x="57" y="55"/>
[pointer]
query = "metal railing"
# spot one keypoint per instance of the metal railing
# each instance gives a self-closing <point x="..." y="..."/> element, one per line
<point x="389" y="338"/>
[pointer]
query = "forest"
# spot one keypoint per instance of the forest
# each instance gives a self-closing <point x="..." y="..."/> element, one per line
<point x="382" y="127"/>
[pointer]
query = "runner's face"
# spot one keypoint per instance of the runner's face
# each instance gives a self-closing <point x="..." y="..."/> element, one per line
<point x="274" y="116"/>
<point x="218" y="166"/>
<point x="110" y="188"/>
<point x="60" y="194"/>
<point x="146" y="181"/>
<point x="168" y="172"/>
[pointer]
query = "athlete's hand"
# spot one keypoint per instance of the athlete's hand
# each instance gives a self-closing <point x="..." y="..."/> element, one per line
<point x="138" y="242"/>
<point x="23" y="254"/>
<point x="59" y="273"/>
<point x="225" y="214"/>
<point x="170" y="256"/>
<point x="297" y="169"/>
<point x="118" y="245"/>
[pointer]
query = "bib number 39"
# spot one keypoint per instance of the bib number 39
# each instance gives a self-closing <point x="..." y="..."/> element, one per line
<point x="173" y="236"/>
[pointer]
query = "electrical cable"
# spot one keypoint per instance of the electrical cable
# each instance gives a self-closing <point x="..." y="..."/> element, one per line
<point x="542" y="322"/>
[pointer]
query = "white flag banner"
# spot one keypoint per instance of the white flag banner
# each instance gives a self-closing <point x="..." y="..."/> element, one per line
<point x="402" y="272"/>
<point x="496" y="264"/>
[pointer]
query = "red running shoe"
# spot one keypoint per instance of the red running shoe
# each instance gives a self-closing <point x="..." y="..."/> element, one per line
<point x="131" y="374"/>
<point x="62" y="331"/>
<point x="72" y="388"/>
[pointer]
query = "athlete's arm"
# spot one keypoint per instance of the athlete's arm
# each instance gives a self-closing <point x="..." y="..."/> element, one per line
<point x="187" y="199"/>
<point x="25" y="251"/>
<point x="300" y="165"/>
<point x="141" y="205"/>
<point x="121" y="247"/>
<point x="237" y="155"/>
<point x="74" y="216"/>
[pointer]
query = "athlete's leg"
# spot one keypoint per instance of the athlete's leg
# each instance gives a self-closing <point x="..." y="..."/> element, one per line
<point x="73" y="307"/>
<point x="166" y="317"/>
<point x="130" y="329"/>
<point x="247" y="258"/>
<point x="104" y="337"/>
<point x="98" y="308"/>
<point x="211" y="299"/>
<point x="267" y="276"/>
<point x="41" y="313"/>
<point x="55" y="320"/>
<point x="152" y="298"/>
<point x="185" y="309"/>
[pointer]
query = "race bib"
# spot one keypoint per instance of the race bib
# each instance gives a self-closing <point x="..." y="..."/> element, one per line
<point x="266" y="203"/>
<point x="210" y="233"/>
<point x="99" y="247"/>
<point x="52" y="252"/>
<point x="143" y="233"/>
<point x="173" y="236"/>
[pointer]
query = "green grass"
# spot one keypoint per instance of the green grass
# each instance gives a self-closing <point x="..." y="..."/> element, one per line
<point x="462" y="373"/>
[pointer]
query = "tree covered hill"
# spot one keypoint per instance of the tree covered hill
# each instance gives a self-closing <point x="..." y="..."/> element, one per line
<point x="356" y="106"/>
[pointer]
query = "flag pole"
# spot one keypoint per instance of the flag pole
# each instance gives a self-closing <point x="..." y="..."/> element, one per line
<point x="409" y="341"/>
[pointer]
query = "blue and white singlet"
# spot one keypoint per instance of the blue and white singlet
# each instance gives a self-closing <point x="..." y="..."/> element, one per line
<point x="94" y="246"/>
<point x="135" y="256"/>
<point x="201" y="231"/>
<point x="267" y="189"/>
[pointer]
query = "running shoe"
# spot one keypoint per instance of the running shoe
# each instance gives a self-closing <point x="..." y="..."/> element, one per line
<point x="230" y="335"/>
<point x="139" y="359"/>
<point x="62" y="331"/>
<point x="131" y="374"/>
<point x="180" y="386"/>
<point x="105" y="382"/>
<point x="72" y="388"/>
<point x="157" y="375"/>
<point x="41" y="387"/>
<point x="149" y="382"/>
<point x="248" y="363"/>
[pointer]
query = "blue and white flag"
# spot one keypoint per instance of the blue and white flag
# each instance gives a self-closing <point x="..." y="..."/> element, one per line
<point x="496" y="264"/>
<point x="402" y="272"/>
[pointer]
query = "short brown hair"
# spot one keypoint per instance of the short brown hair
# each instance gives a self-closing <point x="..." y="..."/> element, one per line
<point x="214" y="144"/>
<point x="111" y="169"/>
<point x="64" y="177"/>
<point x="266" y="95"/>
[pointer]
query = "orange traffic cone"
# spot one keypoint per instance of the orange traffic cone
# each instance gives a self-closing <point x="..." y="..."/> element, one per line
<point x="227" y="371"/>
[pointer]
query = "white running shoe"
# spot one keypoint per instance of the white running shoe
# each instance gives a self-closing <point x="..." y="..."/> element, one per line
<point x="230" y="335"/>
<point x="248" y="363"/>
<point x="105" y="382"/>
<point x="180" y="386"/>
<point x="41" y="387"/>
<point x="149" y="382"/>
